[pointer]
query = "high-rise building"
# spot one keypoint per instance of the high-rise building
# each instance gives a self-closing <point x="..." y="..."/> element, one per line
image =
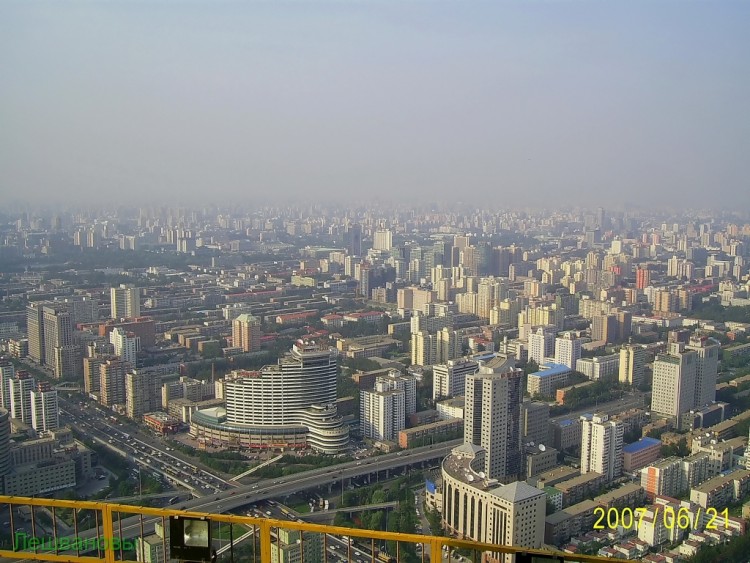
<point x="449" y="379"/>
<point x="542" y="343"/>
<point x="290" y="546"/>
<point x="382" y="413"/>
<point x="60" y="353"/>
<point x="632" y="364"/>
<point x="382" y="239"/>
<point x="567" y="350"/>
<point x="601" y="445"/>
<point x="45" y="414"/>
<point x="125" y="301"/>
<point x="353" y="239"/>
<point x="707" y="351"/>
<point x="127" y="345"/>
<point x="20" y="396"/>
<point x="674" y="381"/>
<point x="141" y="394"/>
<point x="112" y="381"/>
<point x="604" y="328"/>
<point x="493" y="419"/>
<point x="35" y="330"/>
<point x="642" y="278"/>
<point x="7" y="372"/>
<point x="5" y="459"/>
<point x="246" y="333"/>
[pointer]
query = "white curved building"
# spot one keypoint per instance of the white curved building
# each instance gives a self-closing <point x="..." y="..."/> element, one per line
<point x="288" y="405"/>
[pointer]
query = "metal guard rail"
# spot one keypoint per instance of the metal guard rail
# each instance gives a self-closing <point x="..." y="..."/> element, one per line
<point x="110" y="523"/>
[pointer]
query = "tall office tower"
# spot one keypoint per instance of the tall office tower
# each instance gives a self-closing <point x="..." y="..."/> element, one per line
<point x="632" y="364"/>
<point x="382" y="240"/>
<point x="92" y="373"/>
<point x="382" y="413"/>
<point x="299" y="394"/>
<point x="601" y="219"/>
<point x="20" y="396"/>
<point x="542" y="343"/>
<point x="59" y="351"/>
<point x="601" y="445"/>
<point x="642" y="278"/>
<point x="449" y="378"/>
<point x="567" y="350"/>
<point x="112" y="382"/>
<point x="125" y="301"/>
<point x="353" y="239"/>
<point x="246" y="333"/>
<point x="449" y="345"/>
<point x="604" y="328"/>
<point x="84" y="309"/>
<point x="5" y="459"/>
<point x="490" y="292"/>
<point x="7" y="372"/>
<point x="44" y="412"/>
<point x="127" y="345"/>
<point x="35" y="330"/>
<point x="675" y="374"/>
<point x="707" y="368"/>
<point x="492" y="416"/>
<point x="141" y="394"/>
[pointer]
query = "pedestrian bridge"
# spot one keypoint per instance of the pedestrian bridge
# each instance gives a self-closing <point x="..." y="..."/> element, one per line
<point x="40" y="529"/>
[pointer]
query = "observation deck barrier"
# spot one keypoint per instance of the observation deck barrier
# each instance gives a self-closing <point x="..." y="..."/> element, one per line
<point x="40" y="529"/>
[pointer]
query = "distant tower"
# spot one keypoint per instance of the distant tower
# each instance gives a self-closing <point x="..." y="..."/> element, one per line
<point x="353" y="238"/>
<point x="4" y="442"/>
<point x="246" y="333"/>
<point x="44" y="411"/>
<point x="125" y="301"/>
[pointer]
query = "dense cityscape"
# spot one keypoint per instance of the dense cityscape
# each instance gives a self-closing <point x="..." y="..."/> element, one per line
<point x="561" y="379"/>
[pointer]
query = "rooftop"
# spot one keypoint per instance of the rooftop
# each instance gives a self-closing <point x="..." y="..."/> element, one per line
<point x="640" y="445"/>
<point x="549" y="369"/>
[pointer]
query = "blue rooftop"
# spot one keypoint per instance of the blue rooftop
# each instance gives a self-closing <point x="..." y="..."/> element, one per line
<point x="552" y="368"/>
<point x="641" y="444"/>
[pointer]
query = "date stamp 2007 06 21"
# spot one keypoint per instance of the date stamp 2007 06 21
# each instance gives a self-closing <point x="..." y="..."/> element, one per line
<point x="682" y="518"/>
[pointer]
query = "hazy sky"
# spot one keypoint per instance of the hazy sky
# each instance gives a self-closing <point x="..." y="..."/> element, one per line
<point x="508" y="102"/>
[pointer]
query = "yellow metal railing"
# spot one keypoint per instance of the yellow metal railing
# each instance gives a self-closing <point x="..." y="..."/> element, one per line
<point x="83" y="531"/>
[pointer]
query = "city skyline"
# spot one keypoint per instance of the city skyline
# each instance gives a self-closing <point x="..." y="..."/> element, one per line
<point x="512" y="104"/>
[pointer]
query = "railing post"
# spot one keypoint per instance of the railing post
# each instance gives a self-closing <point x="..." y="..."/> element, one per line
<point x="436" y="550"/>
<point x="265" y="541"/>
<point x="108" y="526"/>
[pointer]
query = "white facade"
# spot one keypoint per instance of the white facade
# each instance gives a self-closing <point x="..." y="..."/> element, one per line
<point x="126" y="344"/>
<point x="542" y="344"/>
<point x="632" y="364"/>
<point x="449" y="379"/>
<point x="599" y="367"/>
<point x="675" y="375"/>
<point x="601" y="445"/>
<point x="567" y="350"/>
<point x="45" y="414"/>
<point x="20" y="398"/>
<point x="382" y="414"/>
<point x="125" y="301"/>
